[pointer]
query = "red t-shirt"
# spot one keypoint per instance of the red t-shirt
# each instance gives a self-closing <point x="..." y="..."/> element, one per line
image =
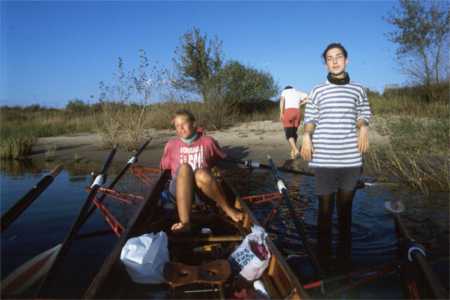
<point x="202" y="153"/>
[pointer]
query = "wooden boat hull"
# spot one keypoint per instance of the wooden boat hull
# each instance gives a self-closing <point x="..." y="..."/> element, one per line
<point x="112" y="281"/>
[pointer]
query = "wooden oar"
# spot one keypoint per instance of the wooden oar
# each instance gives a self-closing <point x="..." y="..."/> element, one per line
<point x="298" y="223"/>
<point x="416" y="252"/>
<point x="23" y="203"/>
<point x="99" y="180"/>
<point x="29" y="273"/>
<point x="196" y="239"/>
<point x="253" y="164"/>
<point x="130" y="162"/>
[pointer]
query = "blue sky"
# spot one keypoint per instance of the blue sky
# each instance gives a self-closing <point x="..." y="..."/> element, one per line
<point x="52" y="52"/>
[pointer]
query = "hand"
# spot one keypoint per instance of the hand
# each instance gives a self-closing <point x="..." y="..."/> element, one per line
<point x="303" y="101"/>
<point x="307" y="148"/>
<point x="363" y="139"/>
<point x="281" y="117"/>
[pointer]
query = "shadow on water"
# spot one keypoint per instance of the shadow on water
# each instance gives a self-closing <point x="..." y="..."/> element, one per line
<point x="374" y="240"/>
<point x="47" y="220"/>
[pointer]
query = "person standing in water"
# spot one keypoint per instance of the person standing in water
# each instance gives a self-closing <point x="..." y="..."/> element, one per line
<point x="335" y="137"/>
<point x="290" y="102"/>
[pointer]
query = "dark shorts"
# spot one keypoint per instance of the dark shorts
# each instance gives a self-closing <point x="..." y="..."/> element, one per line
<point x="291" y="132"/>
<point x="330" y="180"/>
<point x="173" y="192"/>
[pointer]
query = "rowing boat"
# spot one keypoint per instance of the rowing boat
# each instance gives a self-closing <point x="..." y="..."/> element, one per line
<point x="112" y="281"/>
<point x="194" y="251"/>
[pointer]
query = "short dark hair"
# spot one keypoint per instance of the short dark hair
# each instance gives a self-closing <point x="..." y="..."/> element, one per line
<point x="185" y="113"/>
<point x="288" y="87"/>
<point x="331" y="46"/>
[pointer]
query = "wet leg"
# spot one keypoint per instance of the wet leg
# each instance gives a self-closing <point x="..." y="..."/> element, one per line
<point x="326" y="207"/>
<point x="344" y="209"/>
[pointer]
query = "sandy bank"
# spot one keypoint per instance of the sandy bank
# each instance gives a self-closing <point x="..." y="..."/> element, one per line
<point x="252" y="140"/>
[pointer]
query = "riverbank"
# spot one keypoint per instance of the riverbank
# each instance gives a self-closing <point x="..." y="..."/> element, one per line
<point x="250" y="140"/>
<point x="427" y="215"/>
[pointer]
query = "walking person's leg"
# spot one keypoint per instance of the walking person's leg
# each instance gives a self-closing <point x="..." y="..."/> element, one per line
<point x="291" y="136"/>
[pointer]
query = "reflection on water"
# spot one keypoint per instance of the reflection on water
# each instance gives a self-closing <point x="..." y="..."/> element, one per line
<point x="47" y="221"/>
<point x="373" y="230"/>
<point x="374" y="240"/>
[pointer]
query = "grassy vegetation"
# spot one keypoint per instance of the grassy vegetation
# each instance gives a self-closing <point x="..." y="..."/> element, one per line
<point x="418" y="130"/>
<point x="21" y="127"/>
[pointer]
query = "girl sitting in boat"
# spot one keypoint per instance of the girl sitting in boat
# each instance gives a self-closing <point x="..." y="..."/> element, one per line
<point x="190" y="157"/>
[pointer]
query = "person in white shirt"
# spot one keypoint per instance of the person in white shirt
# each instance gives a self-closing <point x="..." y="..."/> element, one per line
<point x="290" y="102"/>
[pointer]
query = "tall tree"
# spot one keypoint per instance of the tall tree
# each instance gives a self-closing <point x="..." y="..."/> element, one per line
<point x="421" y="32"/>
<point x="198" y="61"/>
<point x="242" y="84"/>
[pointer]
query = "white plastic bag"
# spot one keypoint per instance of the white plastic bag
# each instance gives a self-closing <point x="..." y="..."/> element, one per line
<point x="253" y="254"/>
<point x="145" y="256"/>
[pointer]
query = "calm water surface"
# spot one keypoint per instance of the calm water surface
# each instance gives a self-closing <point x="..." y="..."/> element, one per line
<point x="47" y="221"/>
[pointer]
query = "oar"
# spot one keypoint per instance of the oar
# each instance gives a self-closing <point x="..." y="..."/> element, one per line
<point x="416" y="252"/>
<point x="23" y="203"/>
<point x="28" y="273"/>
<point x="253" y="164"/>
<point x="99" y="180"/>
<point x="131" y="161"/>
<point x="298" y="223"/>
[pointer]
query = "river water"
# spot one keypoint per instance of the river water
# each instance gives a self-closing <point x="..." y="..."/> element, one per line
<point x="47" y="221"/>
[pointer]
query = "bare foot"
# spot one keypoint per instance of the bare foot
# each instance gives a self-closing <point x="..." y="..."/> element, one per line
<point x="181" y="227"/>
<point x="234" y="214"/>
<point x="295" y="154"/>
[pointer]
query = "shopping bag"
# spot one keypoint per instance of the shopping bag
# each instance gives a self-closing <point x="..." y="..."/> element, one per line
<point x="252" y="256"/>
<point x="145" y="256"/>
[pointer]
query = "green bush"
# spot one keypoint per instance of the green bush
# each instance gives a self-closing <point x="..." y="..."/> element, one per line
<point x="16" y="147"/>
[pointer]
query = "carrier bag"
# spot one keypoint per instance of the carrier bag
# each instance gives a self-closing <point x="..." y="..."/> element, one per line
<point x="145" y="256"/>
<point x="252" y="256"/>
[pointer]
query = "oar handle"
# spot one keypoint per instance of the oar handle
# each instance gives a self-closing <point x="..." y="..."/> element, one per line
<point x="143" y="147"/>
<point x="253" y="164"/>
<point x="109" y="160"/>
<point x="56" y="170"/>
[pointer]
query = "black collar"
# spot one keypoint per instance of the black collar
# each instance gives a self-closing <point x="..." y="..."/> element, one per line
<point x="338" y="81"/>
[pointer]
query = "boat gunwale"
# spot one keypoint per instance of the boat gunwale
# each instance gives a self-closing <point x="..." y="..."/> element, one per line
<point x="138" y="218"/>
<point x="249" y="220"/>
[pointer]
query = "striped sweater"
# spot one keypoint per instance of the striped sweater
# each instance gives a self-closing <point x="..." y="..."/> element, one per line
<point x="335" y="110"/>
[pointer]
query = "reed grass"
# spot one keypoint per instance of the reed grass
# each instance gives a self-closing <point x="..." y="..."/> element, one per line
<point x="418" y="131"/>
<point x="17" y="147"/>
<point x="407" y="106"/>
<point x="21" y="127"/>
<point x="417" y="153"/>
